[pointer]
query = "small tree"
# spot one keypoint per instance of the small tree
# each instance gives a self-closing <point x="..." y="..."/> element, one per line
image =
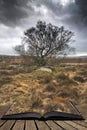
<point x="45" y="40"/>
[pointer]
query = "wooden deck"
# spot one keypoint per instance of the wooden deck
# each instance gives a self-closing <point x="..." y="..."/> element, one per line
<point x="40" y="125"/>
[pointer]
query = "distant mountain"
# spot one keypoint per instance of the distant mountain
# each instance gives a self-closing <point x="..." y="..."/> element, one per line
<point x="82" y="56"/>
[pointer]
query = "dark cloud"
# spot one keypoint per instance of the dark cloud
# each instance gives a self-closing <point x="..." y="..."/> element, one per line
<point x="52" y="5"/>
<point x="82" y="9"/>
<point x="12" y="11"/>
<point x="23" y="14"/>
<point x="73" y="13"/>
<point x="76" y="13"/>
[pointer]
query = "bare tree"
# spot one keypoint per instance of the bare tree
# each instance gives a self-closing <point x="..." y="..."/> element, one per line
<point x="45" y="40"/>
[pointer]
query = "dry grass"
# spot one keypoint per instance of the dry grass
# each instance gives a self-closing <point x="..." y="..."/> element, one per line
<point x="32" y="90"/>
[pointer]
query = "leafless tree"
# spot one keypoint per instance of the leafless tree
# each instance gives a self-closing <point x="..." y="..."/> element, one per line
<point x="45" y="40"/>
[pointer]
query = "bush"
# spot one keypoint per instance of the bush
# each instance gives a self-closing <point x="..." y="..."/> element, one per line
<point x="70" y="68"/>
<point x="69" y="82"/>
<point x="64" y="94"/>
<point x="50" y="88"/>
<point x="83" y="73"/>
<point x="63" y="79"/>
<point x="5" y="80"/>
<point x="4" y="72"/>
<point x="73" y="93"/>
<point x="36" y="103"/>
<point x="51" y="107"/>
<point x="43" y="77"/>
<point x="62" y="76"/>
<point x="79" y="79"/>
<point x="46" y="79"/>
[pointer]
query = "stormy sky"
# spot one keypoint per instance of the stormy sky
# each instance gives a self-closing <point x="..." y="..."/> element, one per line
<point x="18" y="15"/>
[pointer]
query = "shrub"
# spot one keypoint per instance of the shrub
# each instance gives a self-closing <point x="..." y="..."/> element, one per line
<point x="74" y="94"/>
<point x="4" y="72"/>
<point x="62" y="76"/>
<point x="70" y="68"/>
<point x="46" y="79"/>
<point x="5" y="80"/>
<point x="83" y="73"/>
<point x="50" y="88"/>
<point x="64" y="80"/>
<point x="64" y="94"/>
<point x="79" y="79"/>
<point x="36" y="103"/>
<point x="43" y="77"/>
<point x="29" y="69"/>
<point x="68" y="82"/>
<point x="51" y="107"/>
<point x="71" y="93"/>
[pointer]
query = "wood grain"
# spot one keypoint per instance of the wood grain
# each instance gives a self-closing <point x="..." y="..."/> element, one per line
<point x="30" y="125"/>
<point x="19" y="125"/>
<point x="41" y="125"/>
<point x="54" y="126"/>
<point x="8" y="125"/>
<point x="65" y="125"/>
<point x="76" y="125"/>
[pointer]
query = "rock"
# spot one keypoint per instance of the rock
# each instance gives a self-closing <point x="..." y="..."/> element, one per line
<point x="45" y="69"/>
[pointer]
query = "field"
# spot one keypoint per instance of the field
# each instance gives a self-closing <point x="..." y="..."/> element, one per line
<point x="29" y="88"/>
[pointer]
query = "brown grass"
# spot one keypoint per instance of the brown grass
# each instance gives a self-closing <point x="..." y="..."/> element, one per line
<point x="32" y="90"/>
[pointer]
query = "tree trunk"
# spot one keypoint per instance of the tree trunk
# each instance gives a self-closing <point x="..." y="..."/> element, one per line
<point x="40" y="61"/>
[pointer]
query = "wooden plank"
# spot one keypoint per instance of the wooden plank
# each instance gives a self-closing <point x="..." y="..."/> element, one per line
<point x="54" y="126"/>
<point x="65" y="125"/>
<point x="76" y="125"/>
<point x="2" y="122"/>
<point x="8" y="125"/>
<point x="81" y="123"/>
<point x="19" y="125"/>
<point x="41" y="125"/>
<point x="3" y="109"/>
<point x="30" y="125"/>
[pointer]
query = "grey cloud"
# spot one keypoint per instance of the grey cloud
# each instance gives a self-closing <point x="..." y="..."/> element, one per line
<point x="74" y="13"/>
<point x="12" y="11"/>
<point x="53" y="6"/>
<point x="77" y="13"/>
<point x="21" y="14"/>
<point x="82" y="9"/>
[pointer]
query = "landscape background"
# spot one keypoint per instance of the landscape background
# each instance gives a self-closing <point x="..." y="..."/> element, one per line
<point x="30" y="88"/>
<point x="24" y="84"/>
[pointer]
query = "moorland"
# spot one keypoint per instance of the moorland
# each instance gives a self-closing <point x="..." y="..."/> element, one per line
<point x="29" y="88"/>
